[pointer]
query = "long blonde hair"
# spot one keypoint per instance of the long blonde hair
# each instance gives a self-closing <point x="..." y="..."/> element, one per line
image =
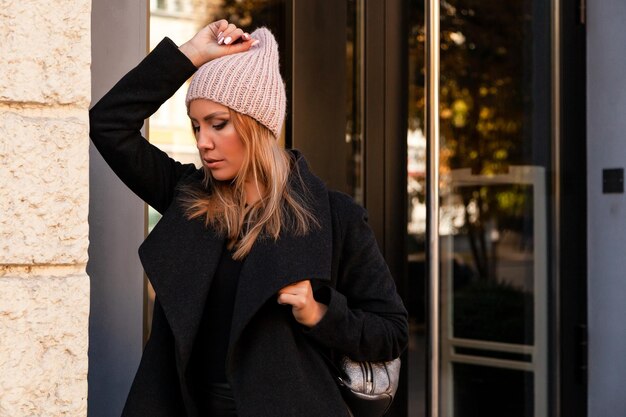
<point x="223" y="203"/>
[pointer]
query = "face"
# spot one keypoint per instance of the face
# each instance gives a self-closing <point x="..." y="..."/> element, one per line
<point x="221" y="149"/>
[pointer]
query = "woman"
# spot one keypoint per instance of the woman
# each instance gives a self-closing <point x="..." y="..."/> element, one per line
<point x="259" y="270"/>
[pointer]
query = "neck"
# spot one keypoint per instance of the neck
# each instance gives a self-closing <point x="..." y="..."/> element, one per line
<point x="254" y="191"/>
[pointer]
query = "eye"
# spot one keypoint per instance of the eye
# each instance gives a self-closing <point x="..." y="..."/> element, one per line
<point x="195" y="129"/>
<point x="220" y="126"/>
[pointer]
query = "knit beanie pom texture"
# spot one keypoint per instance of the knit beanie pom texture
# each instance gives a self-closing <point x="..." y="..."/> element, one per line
<point x="247" y="82"/>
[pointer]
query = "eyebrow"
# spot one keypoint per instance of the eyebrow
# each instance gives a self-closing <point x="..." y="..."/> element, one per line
<point x="209" y="116"/>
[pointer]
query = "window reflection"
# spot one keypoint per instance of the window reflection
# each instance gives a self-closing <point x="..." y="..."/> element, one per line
<point x="495" y="150"/>
<point x="354" y="99"/>
<point x="416" y="198"/>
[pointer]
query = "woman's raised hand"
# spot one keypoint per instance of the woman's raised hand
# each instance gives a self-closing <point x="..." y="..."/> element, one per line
<point x="305" y="309"/>
<point x="216" y="40"/>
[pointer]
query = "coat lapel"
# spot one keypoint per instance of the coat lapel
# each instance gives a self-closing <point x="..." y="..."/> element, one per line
<point x="180" y="258"/>
<point x="272" y="265"/>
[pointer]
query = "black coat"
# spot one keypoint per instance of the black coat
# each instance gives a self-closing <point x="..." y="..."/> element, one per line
<point x="273" y="363"/>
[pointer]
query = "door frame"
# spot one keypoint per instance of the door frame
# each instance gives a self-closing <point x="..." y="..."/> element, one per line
<point x="317" y="51"/>
<point x="571" y="161"/>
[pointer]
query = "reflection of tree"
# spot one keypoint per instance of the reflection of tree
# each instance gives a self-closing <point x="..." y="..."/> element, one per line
<point x="482" y="85"/>
<point x="488" y="210"/>
<point x="248" y="14"/>
<point x="485" y="102"/>
<point x="484" y="94"/>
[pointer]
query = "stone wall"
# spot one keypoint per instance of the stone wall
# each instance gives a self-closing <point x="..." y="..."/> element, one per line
<point x="44" y="291"/>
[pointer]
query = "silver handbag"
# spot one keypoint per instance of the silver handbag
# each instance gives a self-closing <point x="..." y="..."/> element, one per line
<point x="368" y="388"/>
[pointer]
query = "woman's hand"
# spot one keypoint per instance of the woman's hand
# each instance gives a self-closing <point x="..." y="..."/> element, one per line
<point x="305" y="309"/>
<point x="216" y="40"/>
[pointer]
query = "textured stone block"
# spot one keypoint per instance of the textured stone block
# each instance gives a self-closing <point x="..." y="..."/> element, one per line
<point x="43" y="346"/>
<point x="44" y="198"/>
<point x="45" y="51"/>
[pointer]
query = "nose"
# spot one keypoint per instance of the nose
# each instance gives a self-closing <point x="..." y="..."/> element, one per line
<point x="205" y="141"/>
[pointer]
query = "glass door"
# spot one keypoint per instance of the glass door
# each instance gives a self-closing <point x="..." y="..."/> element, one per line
<point x="480" y="154"/>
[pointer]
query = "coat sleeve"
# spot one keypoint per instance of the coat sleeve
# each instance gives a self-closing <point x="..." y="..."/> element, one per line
<point x="366" y="319"/>
<point x="116" y="121"/>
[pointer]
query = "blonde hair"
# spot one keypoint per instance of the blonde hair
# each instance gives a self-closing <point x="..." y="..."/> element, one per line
<point x="223" y="203"/>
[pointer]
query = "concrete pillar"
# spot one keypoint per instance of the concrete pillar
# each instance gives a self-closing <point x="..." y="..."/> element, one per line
<point x="44" y="289"/>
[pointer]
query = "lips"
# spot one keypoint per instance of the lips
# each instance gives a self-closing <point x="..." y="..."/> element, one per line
<point x="211" y="162"/>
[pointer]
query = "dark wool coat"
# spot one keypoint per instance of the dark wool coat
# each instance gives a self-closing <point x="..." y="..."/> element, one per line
<point x="274" y="364"/>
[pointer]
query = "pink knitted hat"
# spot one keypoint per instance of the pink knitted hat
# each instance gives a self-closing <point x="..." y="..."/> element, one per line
<point x="248" y="82"/>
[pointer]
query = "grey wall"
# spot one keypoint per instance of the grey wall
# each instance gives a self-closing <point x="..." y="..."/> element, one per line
<point x="606" y="147"/>
<point x="116" y="223"/>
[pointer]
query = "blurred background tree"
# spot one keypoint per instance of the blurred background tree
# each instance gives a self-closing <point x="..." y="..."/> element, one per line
<point x="485" y="109"/>
<point x="247" y="14"/>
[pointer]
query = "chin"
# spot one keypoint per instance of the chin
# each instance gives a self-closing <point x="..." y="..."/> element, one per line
<point x="222" y="176"/>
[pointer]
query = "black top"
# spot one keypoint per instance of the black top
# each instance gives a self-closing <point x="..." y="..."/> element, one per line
<point x="208" y="362"/>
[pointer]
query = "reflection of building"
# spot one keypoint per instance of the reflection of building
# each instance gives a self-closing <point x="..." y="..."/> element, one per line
<point x="169" y="126"/>
<point x="416" y="181"/>
<point x="519" y="115"/>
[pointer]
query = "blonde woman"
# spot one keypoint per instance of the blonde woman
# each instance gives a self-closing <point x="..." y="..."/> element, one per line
<point x="258" y="268"/>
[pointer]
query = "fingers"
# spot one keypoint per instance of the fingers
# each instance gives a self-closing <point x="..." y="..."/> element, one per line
<point x="230" y="35"/>
<point x="235" y="38"/>
<point x="305" y="309"/>
<point x="216" y="40"/>
<point x="218" y="27"/>
<point x="298" y="295"/>
<point x="226" y="33"/>
<point x="296" y="301"/>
